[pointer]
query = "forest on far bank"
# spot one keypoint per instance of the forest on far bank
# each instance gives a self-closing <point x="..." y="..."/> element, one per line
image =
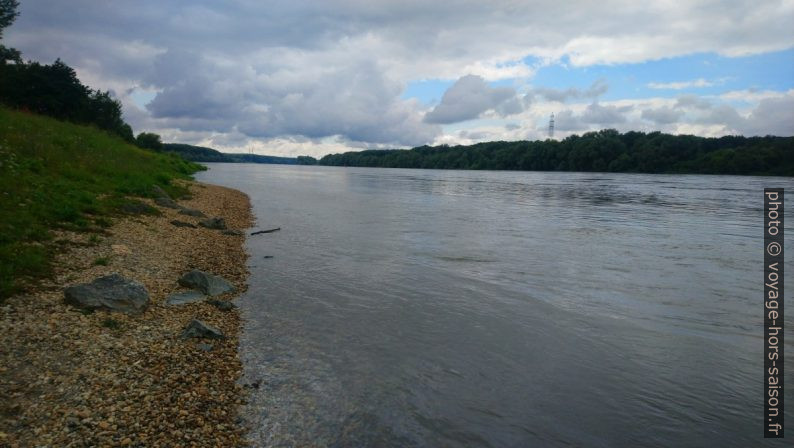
<point x="605" y="151"/>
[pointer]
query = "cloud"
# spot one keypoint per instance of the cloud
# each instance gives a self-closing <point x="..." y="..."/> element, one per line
<point x="604" y="115"/>
<point x="773" y="116"/>
<point x="700" y="82"/>
<point x="689" y="101"/>
<point x="469" y="97"/>
<point x="598" y="88"/>
<point x="662" y="115"/>
<point x="337" y="69"/>
<point x="354" y="101"/>
<point x="566" y="120"/>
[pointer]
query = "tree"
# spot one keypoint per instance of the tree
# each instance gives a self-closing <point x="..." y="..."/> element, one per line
<point x="149" y="140"/>
<point x="8" y="13"/>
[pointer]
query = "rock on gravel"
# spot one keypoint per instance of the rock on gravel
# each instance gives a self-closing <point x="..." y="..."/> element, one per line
<point x="179" y="223"/>
<point x="211" y="285"/>
<point x="199" y="329"/>
<point x="166" y="202"/>
<point x="233" y="232"/>
<point x="111" y="292"/>
<point x="159" y="192"/>
<point x="138" y="208"/>
<point x="223" y="305"/>
<point x="192" y="212"/>
<point x="182" y="298"/>
<point x="213" y="223"/>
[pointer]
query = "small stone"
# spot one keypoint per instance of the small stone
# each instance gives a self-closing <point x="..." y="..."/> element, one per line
<point x="204" y="347"/>
<point x="179" y="223"/>
<point x="199" y="329"/>
<point x="120" y="249"/>
<point x="233" y="232"/>
<point x="185" y="297"/>
<point x="213" y="223"/>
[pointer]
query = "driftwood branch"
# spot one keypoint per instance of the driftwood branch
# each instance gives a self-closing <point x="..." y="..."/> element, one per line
<point x="266" y="231"/>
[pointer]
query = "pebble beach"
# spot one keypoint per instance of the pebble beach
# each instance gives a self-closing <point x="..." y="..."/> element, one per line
<point x="75" y="378"/>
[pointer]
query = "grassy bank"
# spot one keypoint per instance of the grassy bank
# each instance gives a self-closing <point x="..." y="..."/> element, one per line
<point x="61" y="175"/>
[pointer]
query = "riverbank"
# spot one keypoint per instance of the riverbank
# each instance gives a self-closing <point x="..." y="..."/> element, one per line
<point x="72" y="378"/>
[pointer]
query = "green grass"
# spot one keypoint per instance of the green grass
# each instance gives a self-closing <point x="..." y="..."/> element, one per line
<point x="61" y="175"/>
<point x="102" y="261"/>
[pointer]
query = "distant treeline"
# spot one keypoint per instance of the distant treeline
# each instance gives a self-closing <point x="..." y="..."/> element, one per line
<point x="606" y="150"/>
<point x="202" y="154"/>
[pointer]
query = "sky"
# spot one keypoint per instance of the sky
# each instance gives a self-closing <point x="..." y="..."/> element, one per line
<point x="318" y="77"/>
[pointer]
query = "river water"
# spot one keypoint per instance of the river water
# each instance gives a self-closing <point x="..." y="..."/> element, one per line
<point x="479" y="308"/>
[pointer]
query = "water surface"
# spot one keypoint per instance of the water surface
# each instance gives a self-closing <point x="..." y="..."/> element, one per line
<point x="471" y="308"/>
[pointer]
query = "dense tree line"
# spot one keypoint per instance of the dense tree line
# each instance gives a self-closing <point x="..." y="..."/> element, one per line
<point x="54" y="89"/>
<point x="605" y="150"/>
<point x="202" y="154"/>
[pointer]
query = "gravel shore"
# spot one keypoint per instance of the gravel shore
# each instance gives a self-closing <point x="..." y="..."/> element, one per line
<point x="71" y="379"/>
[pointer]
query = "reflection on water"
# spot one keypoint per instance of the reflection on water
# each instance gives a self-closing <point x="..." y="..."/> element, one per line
<point x="465" y="308"/>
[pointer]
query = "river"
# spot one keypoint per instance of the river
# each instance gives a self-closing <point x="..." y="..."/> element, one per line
<point x="405" y="307"/>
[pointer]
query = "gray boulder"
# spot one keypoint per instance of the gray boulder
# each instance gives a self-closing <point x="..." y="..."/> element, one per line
<point x="211" y="285"/>
<point x="213" y="223"/>
<point x="179" y="223"/>
<point x="134" y="207"/>
<point x="111" y="292"/>
<point x="199" y="329"/>
<point x="182" y="298"/>
<point x="192" y="212"/>
<point x="159" y="192"/>
<point x="166" y="202"/>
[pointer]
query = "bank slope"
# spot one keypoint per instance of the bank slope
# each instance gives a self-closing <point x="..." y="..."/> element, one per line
<point x="55" y="174"/>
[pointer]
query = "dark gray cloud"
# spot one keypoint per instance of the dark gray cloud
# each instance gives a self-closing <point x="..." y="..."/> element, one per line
<point x="355" y="102"/>
<point x="469" y="97"/>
